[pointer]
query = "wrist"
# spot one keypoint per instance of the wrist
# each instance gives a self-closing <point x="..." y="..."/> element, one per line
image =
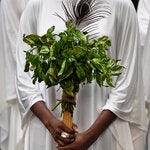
<point x="91" y="136"/>
<point x="100" y="125"/>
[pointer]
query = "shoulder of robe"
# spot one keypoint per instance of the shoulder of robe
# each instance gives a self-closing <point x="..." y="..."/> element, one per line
<point x="34" y="5"/>
<point x="34" y="2"/>
<point x="124" y="4"/>
<point x="124" y="8"/>
<point x="28" y="21"/>
<point x="32" y="8"/>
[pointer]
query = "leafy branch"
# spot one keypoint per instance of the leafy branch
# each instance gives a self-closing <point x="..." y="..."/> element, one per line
<point x="69" y="59"/>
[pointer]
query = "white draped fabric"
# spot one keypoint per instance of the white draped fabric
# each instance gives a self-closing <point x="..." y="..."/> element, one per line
<point x="146" y="76"/>
<point x="126" y="100"/>
<point x="144" y="23"/>
<point x="10" y="122"/>
<point x="143" y="13"/>
<point x="3" y="104"/>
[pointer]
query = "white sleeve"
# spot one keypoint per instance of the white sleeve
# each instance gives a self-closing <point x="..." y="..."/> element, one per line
<point x="28" y="93"/>
<point x="122" y="98"/>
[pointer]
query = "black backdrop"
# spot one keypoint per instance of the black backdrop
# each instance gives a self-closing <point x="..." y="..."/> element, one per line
<point x="135" y="2"/>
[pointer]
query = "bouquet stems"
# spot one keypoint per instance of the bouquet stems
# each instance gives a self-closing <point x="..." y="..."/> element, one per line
<point x="67" y="119"/>
<point x="68" y="104"/>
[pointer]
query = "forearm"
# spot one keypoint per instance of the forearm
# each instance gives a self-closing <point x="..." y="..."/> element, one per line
<point x="100" y="125"/>
<point x="42" y="112"/>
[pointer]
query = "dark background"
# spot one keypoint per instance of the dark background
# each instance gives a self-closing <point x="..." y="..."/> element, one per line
<point x="135" y="2"/>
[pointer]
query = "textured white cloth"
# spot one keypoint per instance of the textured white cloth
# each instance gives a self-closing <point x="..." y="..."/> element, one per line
<point x="10" y="122"/>
<point x="146" y="77"/>
<point x="3" y="104"/>
<point x="144" y="23"/>
<point x="126" y="100"/>
<point x="143" y="12"/>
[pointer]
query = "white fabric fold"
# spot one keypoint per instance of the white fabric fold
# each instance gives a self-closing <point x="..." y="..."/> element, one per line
<point x="146" y="72"/>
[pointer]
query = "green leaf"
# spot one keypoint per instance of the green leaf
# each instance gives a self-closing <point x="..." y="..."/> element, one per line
<point x="116" y="68"/>
<point x="32" y="39"/>
<point x="99" y="79"/>
<point x="52" y="80"/>
<point x="68" y="87"/>
<point x="80" y="71"/>
<point x="62" y="68"/>
<point x="51" y="72"/>
<point x="110" y="82"/>
<point x="27" y="65"/>
<point x="50" y="30"/>
<point x="44" y="50"/>
<point x="66" y="74"/>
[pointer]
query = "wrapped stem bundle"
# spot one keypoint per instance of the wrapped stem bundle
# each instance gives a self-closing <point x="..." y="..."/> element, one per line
<point x="68" y="104"/>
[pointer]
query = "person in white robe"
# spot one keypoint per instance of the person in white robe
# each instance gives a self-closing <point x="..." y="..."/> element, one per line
<point x="3" y="105"/>
<point x="10" y="120"/>
<point x="146" y="78"/>
<point x="143" y="13"/>
<point x="106" y="117"/>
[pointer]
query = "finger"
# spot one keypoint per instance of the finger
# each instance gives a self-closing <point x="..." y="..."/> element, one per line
<point x="63" y="148"/>
<point x="66" y="135"/>
<point x="64" y="140"/>
<point x="60" y="143"/>
<point x="67" y="140"/>
<point x="75" y="128"/>
<point x="67" y="129"/>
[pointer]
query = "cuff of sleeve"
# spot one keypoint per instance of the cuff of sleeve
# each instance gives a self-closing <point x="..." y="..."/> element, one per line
<point x="108" y="107"/>
<point x="28" y="114"/>
<point x="120" y="114"/>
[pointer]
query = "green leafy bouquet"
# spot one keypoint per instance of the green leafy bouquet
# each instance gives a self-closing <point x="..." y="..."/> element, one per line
<point x="70" y="59"/>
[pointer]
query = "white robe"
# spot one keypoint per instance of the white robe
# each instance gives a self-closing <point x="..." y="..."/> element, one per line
<point x="143" y="13"/>
<point x="146" y="77"/>
<point x="10" y="120"/>
<point x="3" y="105"/>
<point x="126" y="100"/>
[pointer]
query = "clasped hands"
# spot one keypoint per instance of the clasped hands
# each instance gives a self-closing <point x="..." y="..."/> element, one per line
<point x="66" y="138"/>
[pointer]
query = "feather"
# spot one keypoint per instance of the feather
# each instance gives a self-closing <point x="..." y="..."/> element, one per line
<point x="85" y="14"/>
